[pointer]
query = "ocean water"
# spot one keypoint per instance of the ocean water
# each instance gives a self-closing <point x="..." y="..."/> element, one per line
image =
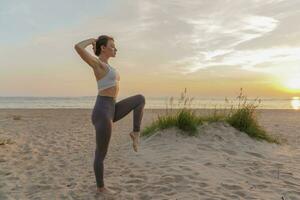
<point x="151" y="103"/>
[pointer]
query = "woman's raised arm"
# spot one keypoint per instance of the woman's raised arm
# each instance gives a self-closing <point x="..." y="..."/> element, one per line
<point x="85" y="55"/>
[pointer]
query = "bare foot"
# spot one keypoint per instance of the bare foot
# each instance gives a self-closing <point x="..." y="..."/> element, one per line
<point x="105" y="190"/>
<point x="135" y="140"/>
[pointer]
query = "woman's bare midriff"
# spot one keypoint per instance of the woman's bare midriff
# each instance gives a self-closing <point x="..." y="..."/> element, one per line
<point x="111" y="92"/>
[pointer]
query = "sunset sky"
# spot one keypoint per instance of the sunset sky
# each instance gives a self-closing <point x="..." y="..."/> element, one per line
<point x="212" y="48"/>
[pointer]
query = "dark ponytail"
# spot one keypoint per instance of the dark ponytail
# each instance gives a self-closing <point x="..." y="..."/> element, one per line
<point x="102" y="40"/>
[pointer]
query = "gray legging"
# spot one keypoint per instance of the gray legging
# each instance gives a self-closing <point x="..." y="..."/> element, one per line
<point x="105" y="112"/>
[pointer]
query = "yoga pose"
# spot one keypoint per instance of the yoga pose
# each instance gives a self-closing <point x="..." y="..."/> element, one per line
<point x="106" y="110"/>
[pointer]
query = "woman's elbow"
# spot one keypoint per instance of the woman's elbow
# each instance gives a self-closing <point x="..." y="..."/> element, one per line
<point x="76" y="46"/>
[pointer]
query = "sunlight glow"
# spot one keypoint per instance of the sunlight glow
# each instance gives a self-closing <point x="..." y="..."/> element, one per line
<point x="295" y="102"/>
<point x="293" y="83"/>
<point x="290" y="83"/>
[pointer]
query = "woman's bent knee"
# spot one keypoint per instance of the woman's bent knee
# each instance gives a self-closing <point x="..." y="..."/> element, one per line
<point x="141" y="98"/>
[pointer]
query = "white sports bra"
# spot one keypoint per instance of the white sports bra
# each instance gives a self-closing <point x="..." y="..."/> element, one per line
<point x="110" y="79"/>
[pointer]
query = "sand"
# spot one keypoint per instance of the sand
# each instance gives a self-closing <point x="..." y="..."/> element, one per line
<point x="51" y="151"/>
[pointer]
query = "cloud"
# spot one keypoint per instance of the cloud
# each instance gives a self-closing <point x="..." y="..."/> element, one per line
<point x="218" y="34"/>
<point x="167" y="38"/>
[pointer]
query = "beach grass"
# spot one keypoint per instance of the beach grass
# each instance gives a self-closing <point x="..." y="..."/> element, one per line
<point x="241" y="116"/>
<point x="244" y="118"/>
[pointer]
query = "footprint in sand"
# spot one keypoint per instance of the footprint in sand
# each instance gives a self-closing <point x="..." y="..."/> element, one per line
<point x="188" y="158"/>
<point x="229" y="152"/>
<point x="126" y="171"/>
<point x="178" y="178"/>
<point x="208" y="164"/>
<point x="222" y="165"/>
<point x="164" y="189"/>
<point x="185" y="167"/>
<point x="135" y="181"/>
<point x="255" y="154"/>
<point x="167" y="178"/>
<point x="202" y="184"/>
<point x="219" y="138"/>
<point x="39" y="187"/>
<point x="260" y="186"/>
<point x="231" y="187"/>
<point x="71" y="185"/>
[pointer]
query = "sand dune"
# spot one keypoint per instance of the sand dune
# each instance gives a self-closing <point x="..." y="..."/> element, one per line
<point x="53" y="154"/>
<point x="221" y="163"/>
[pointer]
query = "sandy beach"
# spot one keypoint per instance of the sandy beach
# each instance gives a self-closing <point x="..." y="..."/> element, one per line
<point x="52" y="152"/>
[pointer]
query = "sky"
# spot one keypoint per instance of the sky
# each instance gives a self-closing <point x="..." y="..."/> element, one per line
<point x="212" y="48"/>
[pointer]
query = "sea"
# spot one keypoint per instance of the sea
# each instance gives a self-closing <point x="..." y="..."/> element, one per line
<point x="88" y="102"/>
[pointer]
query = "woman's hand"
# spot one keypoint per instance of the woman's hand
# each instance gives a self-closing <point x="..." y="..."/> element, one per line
<point x="94" y="44"/>
<point x="83" y="44"/>
<point x="85" y="55"/>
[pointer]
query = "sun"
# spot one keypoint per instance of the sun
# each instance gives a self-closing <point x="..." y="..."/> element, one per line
<point x="295" y="102"/>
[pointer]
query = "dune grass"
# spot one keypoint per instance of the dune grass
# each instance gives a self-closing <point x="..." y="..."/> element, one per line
<point x="244" y="119"/>
<point x="241" y="116"/>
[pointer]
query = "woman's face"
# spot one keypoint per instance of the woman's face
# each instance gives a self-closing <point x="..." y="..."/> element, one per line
<point x="110" y="49"/>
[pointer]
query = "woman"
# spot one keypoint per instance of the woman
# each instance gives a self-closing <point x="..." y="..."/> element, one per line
<point x="106" y="110"/>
